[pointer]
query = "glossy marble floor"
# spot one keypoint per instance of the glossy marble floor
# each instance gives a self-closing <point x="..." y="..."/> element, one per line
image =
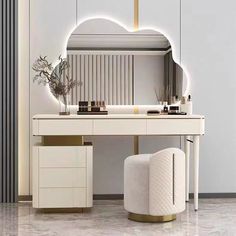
<point x="215" y="217"/>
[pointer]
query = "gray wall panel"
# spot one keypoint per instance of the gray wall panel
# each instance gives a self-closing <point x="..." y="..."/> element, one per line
<point x="8" y="101"/>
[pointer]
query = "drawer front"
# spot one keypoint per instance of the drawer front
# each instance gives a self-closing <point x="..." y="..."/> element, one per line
<point x="120" y="127"/>
<point x="64" y="127"/>
<point x="62" y="197"/>
<point x="62" y="177"/>
<point x="175" y="126"/>
<point x="62" y="156"/>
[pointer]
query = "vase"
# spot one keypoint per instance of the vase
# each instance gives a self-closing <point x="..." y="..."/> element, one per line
<point x="64" y="104"/>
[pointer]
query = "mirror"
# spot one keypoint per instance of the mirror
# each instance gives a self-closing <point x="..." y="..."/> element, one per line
<point x="121" y="67"/>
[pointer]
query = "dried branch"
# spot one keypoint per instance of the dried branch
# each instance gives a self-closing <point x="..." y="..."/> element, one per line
<point x="46" y="74"/>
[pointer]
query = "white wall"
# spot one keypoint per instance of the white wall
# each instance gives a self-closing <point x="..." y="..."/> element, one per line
<point x="23" y="91"/>
<point x="203" y="42"/>
<point x="209" y="54"/>
<point x="163" y="16"/>
<point x="121" y="10"/>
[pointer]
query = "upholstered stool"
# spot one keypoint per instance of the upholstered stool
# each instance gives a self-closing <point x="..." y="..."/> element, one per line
<point x="154" y="185"/>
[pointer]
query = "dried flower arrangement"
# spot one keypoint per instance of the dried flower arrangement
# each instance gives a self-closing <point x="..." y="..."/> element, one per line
<point x="47" y="74"/>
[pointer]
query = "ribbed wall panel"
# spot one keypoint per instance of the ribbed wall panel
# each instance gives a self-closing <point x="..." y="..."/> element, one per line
<point x="8" y="101"/>
<point x="103" y="77"/>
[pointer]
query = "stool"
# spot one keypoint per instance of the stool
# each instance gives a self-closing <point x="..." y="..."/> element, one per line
<point x="154" y="185"/>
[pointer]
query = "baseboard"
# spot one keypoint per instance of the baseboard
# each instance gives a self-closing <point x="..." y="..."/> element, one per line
<point x="214" y="195"/>
<point x="121" y="196"/>
<point x="191" y="195"/>
<point x="24" y="198"/>
<point x="108" y="196"/>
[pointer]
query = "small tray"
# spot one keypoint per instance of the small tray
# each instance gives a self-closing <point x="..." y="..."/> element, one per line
<point x="177" y="114"/>
<point x="92" y="112"/>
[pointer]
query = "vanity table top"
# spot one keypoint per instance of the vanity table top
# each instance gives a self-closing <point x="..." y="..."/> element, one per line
<point x="115" y="116"/>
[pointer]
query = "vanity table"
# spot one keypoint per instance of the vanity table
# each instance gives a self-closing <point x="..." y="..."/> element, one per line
<point x="46" y="125"/>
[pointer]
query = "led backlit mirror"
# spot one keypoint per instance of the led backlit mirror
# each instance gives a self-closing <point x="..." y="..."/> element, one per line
<point x="121" y="67"/>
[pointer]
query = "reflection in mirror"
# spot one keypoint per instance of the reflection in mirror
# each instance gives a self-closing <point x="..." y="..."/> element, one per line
<point x="121" y="67"/>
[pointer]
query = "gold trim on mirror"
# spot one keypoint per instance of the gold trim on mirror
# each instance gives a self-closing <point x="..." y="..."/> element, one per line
<point x="136" y="14"/>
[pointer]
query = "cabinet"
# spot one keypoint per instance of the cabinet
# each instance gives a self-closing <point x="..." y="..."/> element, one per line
<point x="62" y="176"/>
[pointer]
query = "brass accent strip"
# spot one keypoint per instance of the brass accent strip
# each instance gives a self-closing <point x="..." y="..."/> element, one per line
<point x="136" y="15"/>
<point x="62" y="140"/>
<point x="173" y="178"/>
<point x="150" y="219"/>
<point x="136" y="145"/>
<point x="63" y="210"/>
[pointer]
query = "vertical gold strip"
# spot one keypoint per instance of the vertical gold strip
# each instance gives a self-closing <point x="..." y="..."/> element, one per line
<point x="136" y="14"/>
<point x="136" y="145"/>
<point x="136" y="26"/>
<point x="173" y="178"/>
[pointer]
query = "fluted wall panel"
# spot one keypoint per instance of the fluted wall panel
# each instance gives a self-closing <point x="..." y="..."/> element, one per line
<point x="103" y="77"/>
<point x="8" y="101"/>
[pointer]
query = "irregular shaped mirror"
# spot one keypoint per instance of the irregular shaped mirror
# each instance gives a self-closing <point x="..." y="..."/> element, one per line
<point x="121" y="67"/>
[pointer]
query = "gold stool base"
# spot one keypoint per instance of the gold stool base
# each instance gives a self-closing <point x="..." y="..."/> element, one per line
<point x="150" y="219"/>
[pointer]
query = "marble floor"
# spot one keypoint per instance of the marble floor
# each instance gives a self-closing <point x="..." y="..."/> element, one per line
<point x="215" y="217"/>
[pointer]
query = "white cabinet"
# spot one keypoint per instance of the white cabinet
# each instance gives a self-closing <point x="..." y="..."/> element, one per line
<point x="62" y="176"/>
<point x="178" y="126"/>
<point x="62" y="197"/>
<point x="119" y="127"/>
<point x="60" y="127"/>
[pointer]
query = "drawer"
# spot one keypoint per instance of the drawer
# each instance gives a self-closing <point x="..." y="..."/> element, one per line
<point x="62" y="177"/>
<point x="63" y="127"/>
<point x="62" y="156"/>
<point x="120" y="127"/>
<point x="62" y="197"/>
<point x="175" y="126"/>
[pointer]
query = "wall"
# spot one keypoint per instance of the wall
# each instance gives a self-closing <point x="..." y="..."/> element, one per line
<point x="209" y="54"/>
<point x="203" y="42"/>
<point x="23" y="99"/>
<point x="9" y="101"/>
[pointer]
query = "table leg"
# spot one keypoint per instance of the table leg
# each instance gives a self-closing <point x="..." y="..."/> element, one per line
<point x="187" y="156"/>
<point x="196" y="169"/>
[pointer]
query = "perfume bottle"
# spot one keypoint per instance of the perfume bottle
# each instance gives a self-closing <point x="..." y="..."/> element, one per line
<point x="186" y="105"/>
<point x="103" y="106"/>
<point x="165" y="108"/>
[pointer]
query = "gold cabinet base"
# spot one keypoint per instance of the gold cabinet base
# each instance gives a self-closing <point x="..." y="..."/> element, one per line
<point x="62" y="140"/>
<point x="150" y="219"/>
<point x="63" y="210"/>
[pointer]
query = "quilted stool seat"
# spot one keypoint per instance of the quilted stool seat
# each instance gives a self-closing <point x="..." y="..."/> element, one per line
<point x="154" y="185"/>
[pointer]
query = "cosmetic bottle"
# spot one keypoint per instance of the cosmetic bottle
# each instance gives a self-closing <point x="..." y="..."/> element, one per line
<point x="103" y="106"/>
<point x="190" y="105"/>
<point x="165" y="108"/>
<point x="186" y="105"/>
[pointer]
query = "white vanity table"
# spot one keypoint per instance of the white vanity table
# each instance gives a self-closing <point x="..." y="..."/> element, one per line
<point x="127" y="124"/>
